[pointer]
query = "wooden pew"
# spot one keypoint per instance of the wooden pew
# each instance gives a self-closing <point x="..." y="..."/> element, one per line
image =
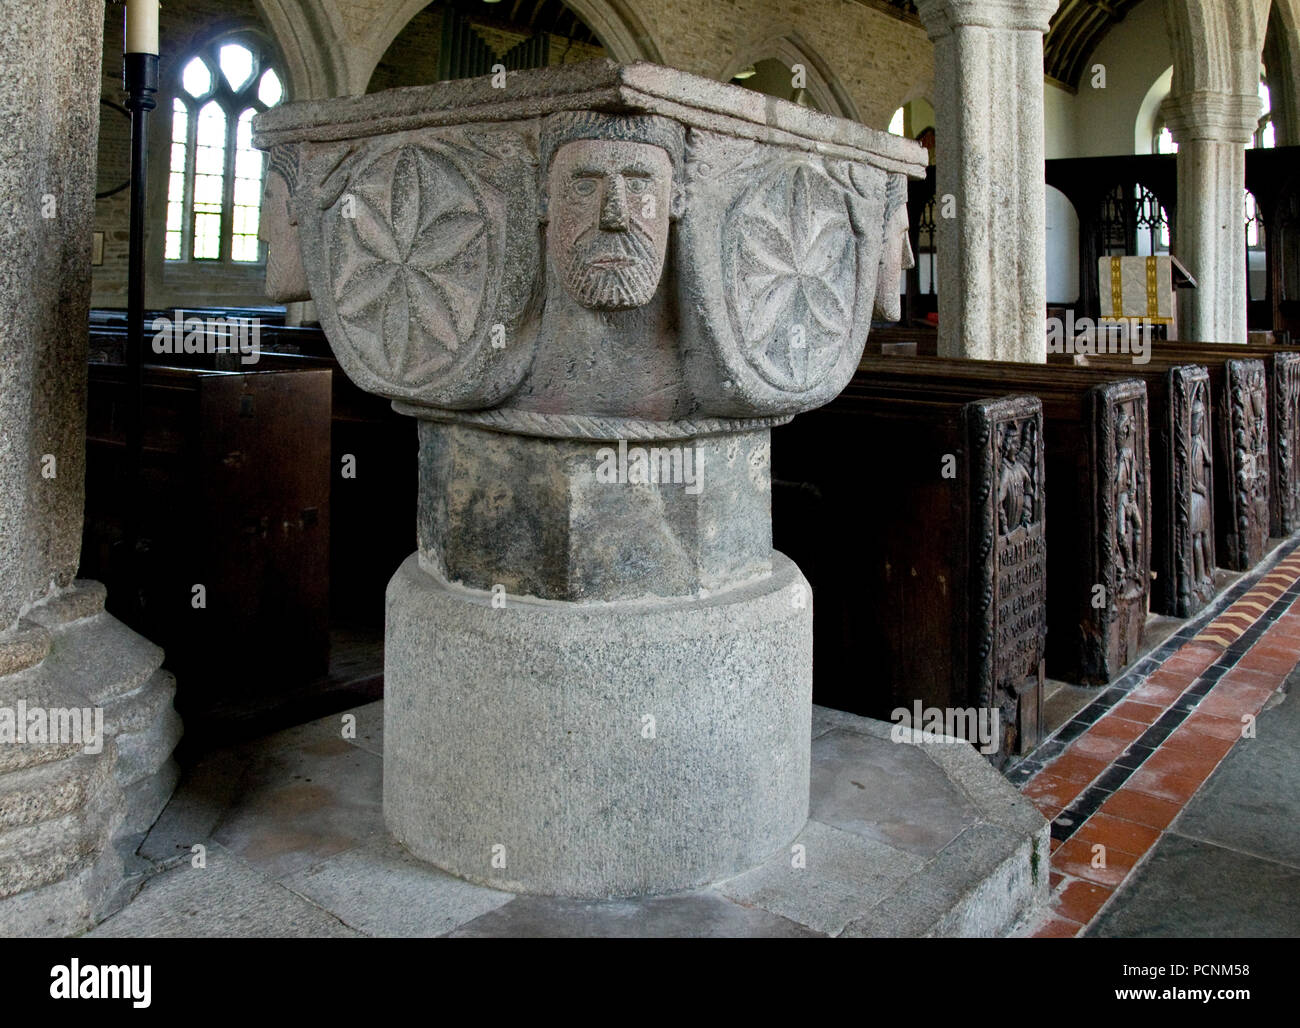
<point x="1239" y="387"/>
<point x="372" y="514"/>
<point x="1182" y="493"/>
<point x="1098" y="497"/>
<point x="903" y="340"/>
<point x="234" y="496"/>
<point x="116" y="316"/>
<point x="1282" y="370"/>
<point x="931" y="587"/>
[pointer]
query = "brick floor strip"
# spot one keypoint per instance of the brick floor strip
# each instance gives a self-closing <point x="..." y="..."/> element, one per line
<point x="1113" y="778"/>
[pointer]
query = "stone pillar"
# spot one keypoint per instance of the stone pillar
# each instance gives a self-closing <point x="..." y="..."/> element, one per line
<point x="990" y="196"/>
<point x="1212" y="131"/>
<point x="62" y="804"/>
<point x="597" y="287"/>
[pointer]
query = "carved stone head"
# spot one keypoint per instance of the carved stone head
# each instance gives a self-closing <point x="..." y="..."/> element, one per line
<point x="610" y="187"/>
<point x="896" y="254"/>
<point x="286" y="279"/>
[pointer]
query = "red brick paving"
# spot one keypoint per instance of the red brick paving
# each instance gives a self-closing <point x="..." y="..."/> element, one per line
<point x="1058" y="928"/>
<point x="1126" y="836"/>
<point x="1141" y="712"/>
<point x="1080" y="901"/>
<point x="1131" y="821"/>
<point x="1138" y="807"/>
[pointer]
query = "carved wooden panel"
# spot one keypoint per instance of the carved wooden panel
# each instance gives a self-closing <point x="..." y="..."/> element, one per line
<point x="1009" y="562"/>
<point x="1243" y="435"/>
<point x="1190" y="539"/>
<point x="1284" y="434"/>
<point x="1115" y="614"/>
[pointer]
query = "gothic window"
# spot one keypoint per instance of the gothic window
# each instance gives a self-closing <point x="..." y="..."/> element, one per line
<point x="1152" y="221"/>
<point x="214" y="189"/>
<point x="1254" y="224"/>
<point x="1266" y="133"/>
<point x="1256" y="256"/>
<point x="926" y="258"/>
<point x="1131" y="221"/>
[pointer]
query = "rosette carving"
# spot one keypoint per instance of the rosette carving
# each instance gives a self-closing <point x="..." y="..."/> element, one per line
<point x="407" y="265"/>
<point x="791" y="259"/>
<point x="778" y="257"/>
<point x="423" y="259"/>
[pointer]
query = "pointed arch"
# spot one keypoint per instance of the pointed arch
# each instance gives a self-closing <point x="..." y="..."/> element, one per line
<point x="822" y="84"/>
<point x="619" y="28"/>
<point x="1282" y="59"/>
<point x="315" y="60"/>
<point x="1216" y="45"/>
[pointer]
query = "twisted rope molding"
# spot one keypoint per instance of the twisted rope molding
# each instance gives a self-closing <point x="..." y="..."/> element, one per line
<point x="588" y="426"/>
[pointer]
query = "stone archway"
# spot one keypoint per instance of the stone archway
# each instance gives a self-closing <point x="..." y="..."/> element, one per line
<point x="1148" y="121"/>
<point x="1216" y="44"/>
<point x="1282" y="58"/>
<point x="822" y="85"/>
<point x="309" y="37"/>
<point x="620" y="30"/>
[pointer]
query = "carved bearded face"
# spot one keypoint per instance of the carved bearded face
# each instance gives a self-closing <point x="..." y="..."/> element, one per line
<point x="895" y="258"/>
<point x="609" y="206"/>
<point x="286" y="279"/>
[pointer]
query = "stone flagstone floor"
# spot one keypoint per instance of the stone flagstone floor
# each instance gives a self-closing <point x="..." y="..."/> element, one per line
<point x="295" y="845"/>
<point x="1196" y="824"/>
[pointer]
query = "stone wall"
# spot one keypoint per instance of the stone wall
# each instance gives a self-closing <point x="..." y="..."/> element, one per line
<point x="413" y="56"/>
<point x="878" y="60"/>
<point x="112" y="214"/>
<point x="412" y="59"/>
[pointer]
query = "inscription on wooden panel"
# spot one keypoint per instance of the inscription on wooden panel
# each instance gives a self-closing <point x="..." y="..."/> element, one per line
<point x="1020" y="584"/>
<point x="1009" y="562"/>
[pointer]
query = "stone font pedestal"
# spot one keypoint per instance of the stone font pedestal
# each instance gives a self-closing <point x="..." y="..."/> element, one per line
<point x="598" y="287"/>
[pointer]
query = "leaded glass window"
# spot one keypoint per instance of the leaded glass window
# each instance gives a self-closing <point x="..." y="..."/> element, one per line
<point x="214" y="185"/>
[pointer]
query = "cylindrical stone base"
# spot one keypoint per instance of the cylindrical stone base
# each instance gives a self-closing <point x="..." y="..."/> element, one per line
<point x="597" y="750"/>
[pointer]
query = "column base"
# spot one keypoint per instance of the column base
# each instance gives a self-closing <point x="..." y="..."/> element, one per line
<point x="597" y="750"/>
<point x="68" y="808"/>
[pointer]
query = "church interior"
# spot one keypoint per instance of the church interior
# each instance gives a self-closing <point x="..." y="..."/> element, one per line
<point x="495" y="468"/>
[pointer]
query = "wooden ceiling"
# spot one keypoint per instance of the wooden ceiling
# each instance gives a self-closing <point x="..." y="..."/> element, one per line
<point x="1076" y="29"/>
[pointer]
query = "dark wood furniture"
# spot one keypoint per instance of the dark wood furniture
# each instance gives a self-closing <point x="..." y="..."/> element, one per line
<point x="927" y="583"/>
<point x="232" y="565"/>
<point x="1098" y="497"/>
<point x="1239" y="388"/>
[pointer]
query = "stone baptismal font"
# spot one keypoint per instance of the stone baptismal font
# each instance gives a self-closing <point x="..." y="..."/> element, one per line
<point x="597" y="288"/>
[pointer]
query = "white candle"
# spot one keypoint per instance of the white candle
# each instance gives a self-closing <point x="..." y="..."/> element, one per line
<point x="141" y="27"/>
